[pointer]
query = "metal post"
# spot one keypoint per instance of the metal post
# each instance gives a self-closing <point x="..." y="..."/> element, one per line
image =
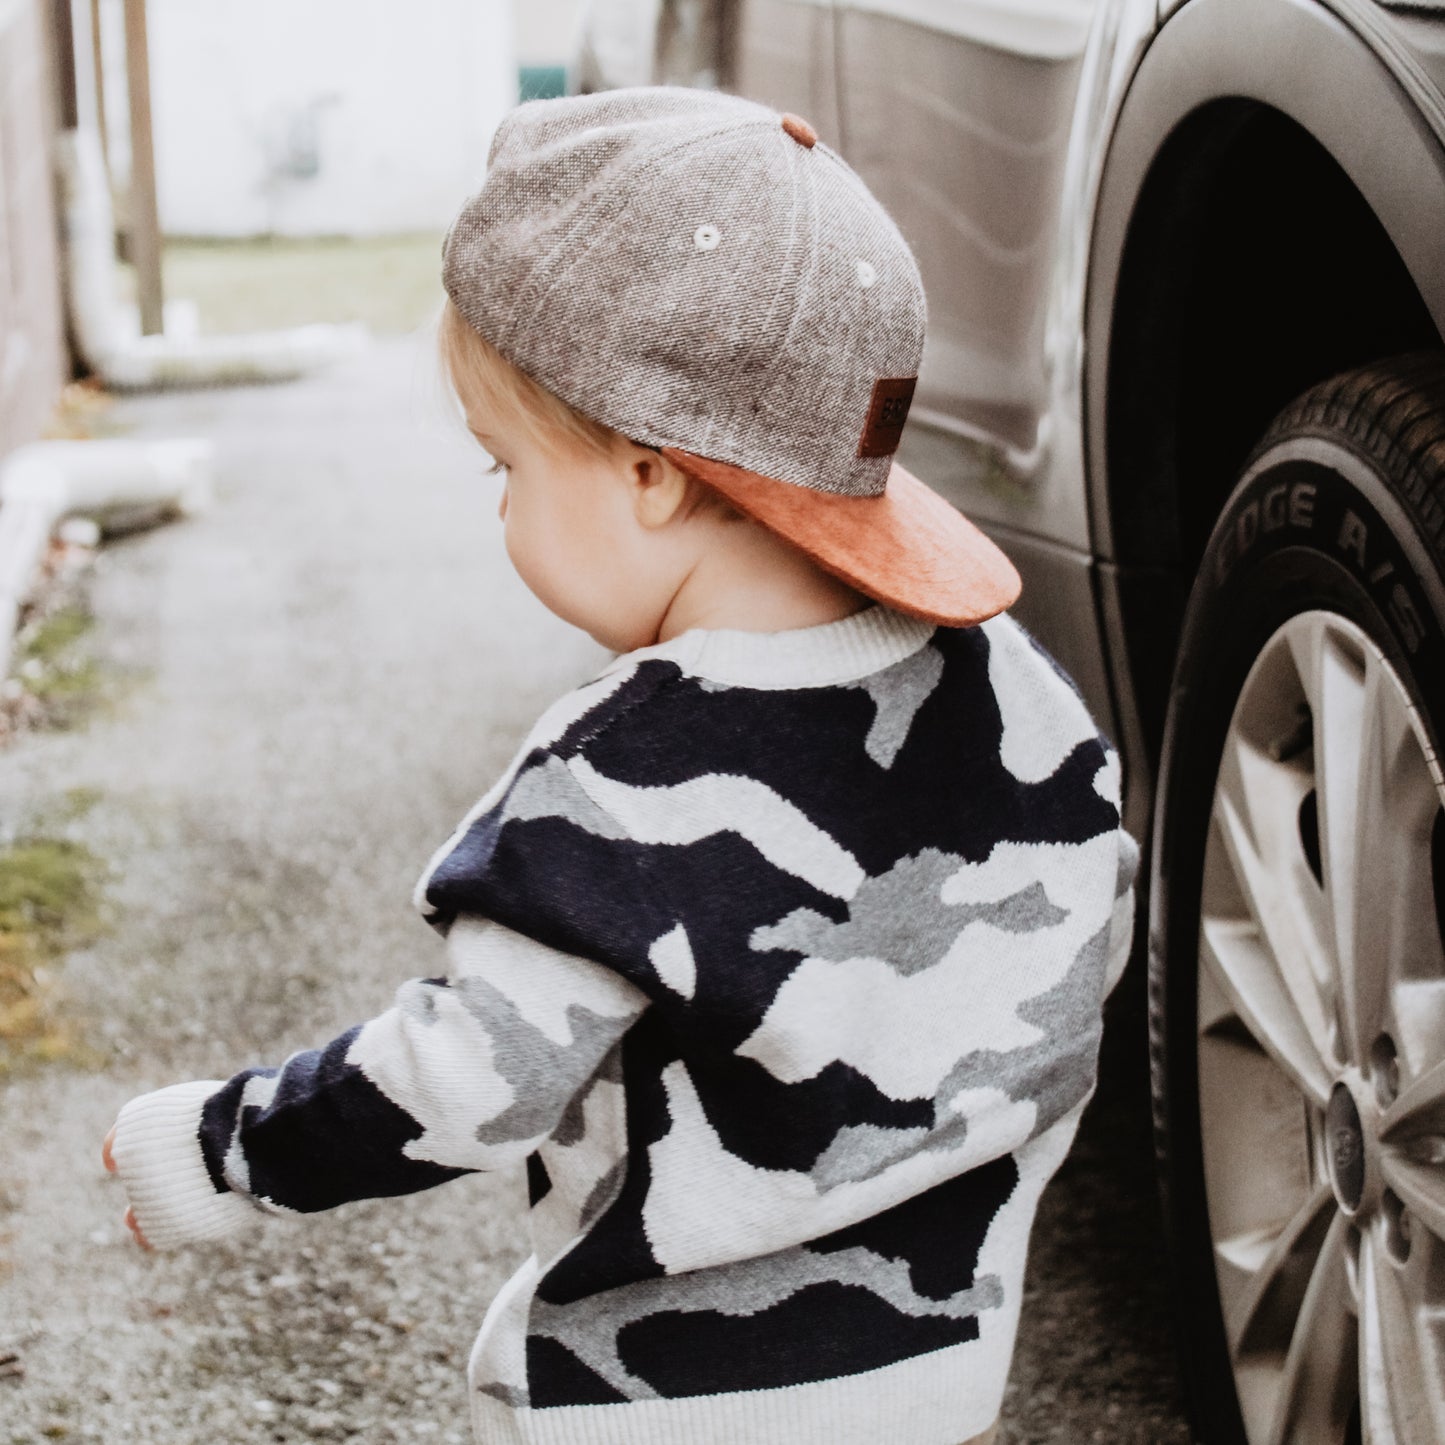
<point x="64" y="45"/>
<point x="145" y="228"/>
<point x="97" y="52"/>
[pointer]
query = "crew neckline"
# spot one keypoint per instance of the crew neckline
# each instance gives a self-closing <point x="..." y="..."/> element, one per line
<point x="844" y="650"/>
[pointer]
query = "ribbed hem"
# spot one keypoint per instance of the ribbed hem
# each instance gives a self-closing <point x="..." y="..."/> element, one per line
<point x="157" y="1152"/>
<point x="942" y="1398"/>
<point x="853" y="647"/>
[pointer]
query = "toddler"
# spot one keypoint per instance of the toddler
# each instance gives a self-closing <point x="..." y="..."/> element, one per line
<point x="777" y="955"/>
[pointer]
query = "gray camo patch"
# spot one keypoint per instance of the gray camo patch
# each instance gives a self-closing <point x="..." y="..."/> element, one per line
<point x="545" y="1076"/>
<point x="572" y="1126"/>
<point x="551" y="791"/>
<point x="1056" y="1073"/>
<point x="507" y="1394"/>
<point x="900" y="917"/>
<point x="898" y="692"/>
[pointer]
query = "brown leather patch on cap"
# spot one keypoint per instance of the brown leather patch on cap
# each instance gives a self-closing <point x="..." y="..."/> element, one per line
<point x="888" y="410"/>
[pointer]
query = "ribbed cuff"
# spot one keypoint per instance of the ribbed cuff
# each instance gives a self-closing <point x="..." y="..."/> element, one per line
<point x="157" y="1151"/>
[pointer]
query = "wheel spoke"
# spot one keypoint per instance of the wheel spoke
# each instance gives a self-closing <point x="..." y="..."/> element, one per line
<point x="1402" y="1398"/>
<point x="1256" y="803"/>
<point x="1421" y="1188"/>
<point x="1346" y="731"/>
<point x="1317" y="1386"/>
<point x="1303" y="636"/>
<point x="1383" y="895"/>
<point x="1420" y="1108"/>
<point x="1245" y="970"/>
<point x="1376" y="804"/>
<point x="1265" y="1303"/>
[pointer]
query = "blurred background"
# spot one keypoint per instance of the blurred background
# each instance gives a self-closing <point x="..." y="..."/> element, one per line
<point x="283" y="173"/>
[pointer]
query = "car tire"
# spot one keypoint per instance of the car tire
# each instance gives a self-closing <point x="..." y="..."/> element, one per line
<point x="1327" y="564"/>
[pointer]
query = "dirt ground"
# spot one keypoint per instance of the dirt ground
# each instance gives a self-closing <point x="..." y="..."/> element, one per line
<point x="314" y="679"/>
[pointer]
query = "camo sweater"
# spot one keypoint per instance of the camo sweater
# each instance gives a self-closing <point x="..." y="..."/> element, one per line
<point x="778" y="960"/>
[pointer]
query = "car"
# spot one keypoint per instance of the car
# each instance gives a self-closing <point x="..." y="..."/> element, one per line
<point x="1185" y="263"/>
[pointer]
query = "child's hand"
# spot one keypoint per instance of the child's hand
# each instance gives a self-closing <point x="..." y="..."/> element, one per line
<point x="108" y="1159"/>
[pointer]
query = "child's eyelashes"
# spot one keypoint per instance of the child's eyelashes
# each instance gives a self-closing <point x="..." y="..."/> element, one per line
<point x="494" y="469"/>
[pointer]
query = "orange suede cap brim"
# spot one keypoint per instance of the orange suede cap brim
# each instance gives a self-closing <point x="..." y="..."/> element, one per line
<point x="907" y="548"/>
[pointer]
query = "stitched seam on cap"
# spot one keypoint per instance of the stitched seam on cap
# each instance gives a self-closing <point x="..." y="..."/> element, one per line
<point x="730" y="425"/>
<point x="524" y="299"/>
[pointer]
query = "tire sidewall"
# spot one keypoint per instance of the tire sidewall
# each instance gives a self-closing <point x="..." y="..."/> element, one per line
<point x="1312" y="524"/>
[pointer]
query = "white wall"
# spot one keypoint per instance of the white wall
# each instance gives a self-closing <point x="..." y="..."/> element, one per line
<point x="306" y="117"/>
<point x="547" y="30"/>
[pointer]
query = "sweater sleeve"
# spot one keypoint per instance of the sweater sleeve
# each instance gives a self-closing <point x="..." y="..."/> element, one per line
<point x="1121" y="927"/>
<point x="466" y="1072"/>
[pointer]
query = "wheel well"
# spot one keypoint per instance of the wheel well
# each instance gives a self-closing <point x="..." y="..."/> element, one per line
<point x="1252" y="269"/>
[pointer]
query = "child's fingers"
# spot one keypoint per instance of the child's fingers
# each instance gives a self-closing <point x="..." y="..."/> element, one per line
<point x="135" y="1229"/>
<point x="108" y="1159"/>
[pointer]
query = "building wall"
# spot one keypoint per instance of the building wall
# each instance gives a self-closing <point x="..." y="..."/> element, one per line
<point x="33" y="358"/>
<point x="314" y="117"/>
<point x="547" y="30"/>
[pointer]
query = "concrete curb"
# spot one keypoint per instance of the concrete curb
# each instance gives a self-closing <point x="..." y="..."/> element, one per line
<point x="43" y="483"/>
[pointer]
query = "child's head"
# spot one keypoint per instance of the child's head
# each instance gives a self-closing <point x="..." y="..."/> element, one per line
<point x="666" y="300"/>
<point x="606" y="531"/>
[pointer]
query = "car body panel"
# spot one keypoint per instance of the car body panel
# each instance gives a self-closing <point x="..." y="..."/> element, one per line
<point x="969" y="146"/>
<point x="784" y="57"/>
<point x="965" y="144"/>
<point x="1297" y="57"/>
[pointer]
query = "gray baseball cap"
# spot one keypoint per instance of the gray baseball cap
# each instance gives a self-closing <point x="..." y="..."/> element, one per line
<point x="705" y="276"/>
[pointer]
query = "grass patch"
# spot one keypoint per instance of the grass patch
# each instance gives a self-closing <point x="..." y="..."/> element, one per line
<point x="54" y="634"/>
<point x="392" y="283"/>
<point x="50" y="903"/>
<point x="59" y="680"/>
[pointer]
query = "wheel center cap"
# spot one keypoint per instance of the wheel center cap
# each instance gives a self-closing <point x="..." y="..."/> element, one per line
<point x="1345" y="1135"/>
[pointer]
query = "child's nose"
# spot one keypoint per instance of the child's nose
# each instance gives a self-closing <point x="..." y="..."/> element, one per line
<point x="502" y="505"/>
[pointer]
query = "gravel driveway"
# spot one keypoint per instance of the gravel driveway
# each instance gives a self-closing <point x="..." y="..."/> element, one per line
<point x="326" y="668"/>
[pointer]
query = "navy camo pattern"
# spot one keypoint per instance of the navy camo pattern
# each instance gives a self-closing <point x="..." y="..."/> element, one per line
<point x="808" y="968"/>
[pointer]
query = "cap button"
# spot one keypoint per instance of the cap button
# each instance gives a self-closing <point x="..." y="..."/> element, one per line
<point x="800" y="130"/>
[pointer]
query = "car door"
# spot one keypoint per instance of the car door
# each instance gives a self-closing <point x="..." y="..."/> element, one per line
<point x="957" y="113"/>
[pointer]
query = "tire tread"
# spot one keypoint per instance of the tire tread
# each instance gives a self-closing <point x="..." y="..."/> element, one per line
<point x="1393" y="412"/>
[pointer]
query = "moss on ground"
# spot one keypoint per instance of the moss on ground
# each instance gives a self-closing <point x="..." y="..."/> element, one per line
<point x="56" y="633"/>
<point x="56" y="681"/>
<point x="51" y="892"/>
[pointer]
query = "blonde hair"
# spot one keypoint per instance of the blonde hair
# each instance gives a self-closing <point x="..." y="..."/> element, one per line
<point x="477" y="370"/>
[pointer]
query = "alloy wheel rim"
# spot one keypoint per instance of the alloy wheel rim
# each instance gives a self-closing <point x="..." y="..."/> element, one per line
<point x="1321" y="1046"/>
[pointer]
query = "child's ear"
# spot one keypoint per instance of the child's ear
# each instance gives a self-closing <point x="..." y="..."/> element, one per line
<point x="658" y="488"/>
